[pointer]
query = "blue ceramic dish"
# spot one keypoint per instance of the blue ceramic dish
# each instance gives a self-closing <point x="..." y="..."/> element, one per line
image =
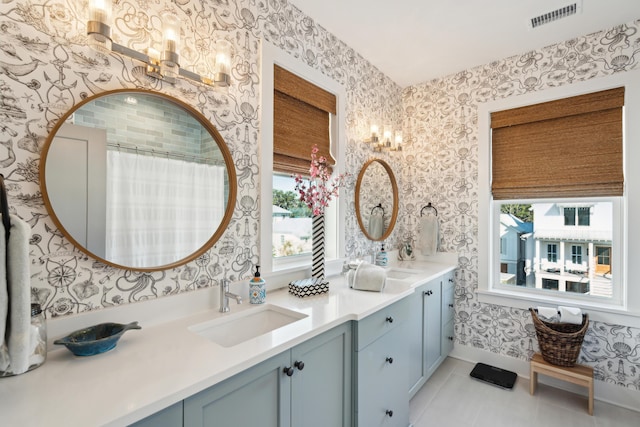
<point x="95" y="339"/>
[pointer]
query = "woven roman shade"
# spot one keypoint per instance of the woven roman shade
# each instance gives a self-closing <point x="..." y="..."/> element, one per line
<point x="570" y="147"/>
<point x="301" y="118"/>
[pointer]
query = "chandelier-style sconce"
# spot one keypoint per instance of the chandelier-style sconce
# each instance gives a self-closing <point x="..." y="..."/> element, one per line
<point x="164" y="65"/>
<point x="385" y="143"/>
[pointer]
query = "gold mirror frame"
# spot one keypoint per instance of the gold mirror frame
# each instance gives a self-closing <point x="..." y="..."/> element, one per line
<point x="226" y="154"/>
<point x="394" y="213"/>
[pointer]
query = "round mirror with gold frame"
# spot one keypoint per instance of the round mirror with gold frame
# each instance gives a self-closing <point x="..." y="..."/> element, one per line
<point x="138" y="180"/>
<point x="376" y="200"/>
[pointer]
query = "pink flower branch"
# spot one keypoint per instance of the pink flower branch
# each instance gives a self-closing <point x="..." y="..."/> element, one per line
<point x="320" y="189"/>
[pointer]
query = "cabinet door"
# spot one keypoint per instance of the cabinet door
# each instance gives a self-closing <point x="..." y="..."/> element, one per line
<point x="259" y="396"/>
<point x="168" y="417"/>
<point x="321" y="387"/>
<point x="382" y="382"/>
<point x="432" y="326"/>
<point x="415" y="331"/>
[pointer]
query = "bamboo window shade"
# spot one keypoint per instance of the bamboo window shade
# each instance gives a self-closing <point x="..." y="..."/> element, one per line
<point x="570" y="147"/>
<point x="301" y="118"/>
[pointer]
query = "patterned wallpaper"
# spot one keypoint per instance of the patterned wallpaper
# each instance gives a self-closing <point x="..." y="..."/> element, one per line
<point x="441" y="166"/>
<point x="46" y="68"/>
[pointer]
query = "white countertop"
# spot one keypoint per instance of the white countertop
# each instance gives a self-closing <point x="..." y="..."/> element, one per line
<point x="159" y="365"/>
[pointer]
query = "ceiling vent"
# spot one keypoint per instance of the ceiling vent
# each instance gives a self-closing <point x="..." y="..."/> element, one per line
<point x="555" y="15"/>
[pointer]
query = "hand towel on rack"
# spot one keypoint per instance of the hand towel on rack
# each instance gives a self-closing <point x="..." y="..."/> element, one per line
<point x="376" y="225"/>
<point x="570" y="315"/>
<point x="15" y="298"/>
<point x="428" y="235"/>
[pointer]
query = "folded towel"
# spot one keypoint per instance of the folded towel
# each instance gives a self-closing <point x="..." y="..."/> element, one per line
<point x="570" y="315"/>
<point x="15" y="298"/>
<point x="375" y="227"/>
<point x="369" y="277"/>
<point x="428" y="235"/>
<point x="548" y="314"/>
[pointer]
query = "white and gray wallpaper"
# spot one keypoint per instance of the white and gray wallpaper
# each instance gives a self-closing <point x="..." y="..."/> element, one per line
<point x="441" y="166"/>
<point x="46" y="68"/>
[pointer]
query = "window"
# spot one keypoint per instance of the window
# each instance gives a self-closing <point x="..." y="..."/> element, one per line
<point x="550" y="284"/>
<point x="569" y="216"/>
<point x="583" y="216"/>
<point x="576" y="254"/>
<point x="275" y="159"/>
<point x="571" y="201"/>
<point x="580" y="216"/>
<point x="291" y="220"/>
<point x="503" y="246"/>
<point x="302" y="118"/>
<point x="552" y="252"/>
<point x="603" y="255"/>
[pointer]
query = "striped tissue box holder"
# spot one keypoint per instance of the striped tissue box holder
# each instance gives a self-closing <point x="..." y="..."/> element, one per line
<point x="308" y="287"/>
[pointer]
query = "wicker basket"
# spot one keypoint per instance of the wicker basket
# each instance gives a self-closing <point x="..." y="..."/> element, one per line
<point x="560" y="343"/>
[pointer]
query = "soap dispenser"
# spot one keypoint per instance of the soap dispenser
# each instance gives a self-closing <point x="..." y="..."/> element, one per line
<point x="257" y="288"/>
<point x="381" y="257"/>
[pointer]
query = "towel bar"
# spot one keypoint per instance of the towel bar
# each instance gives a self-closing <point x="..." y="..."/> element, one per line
<point x="428" y="206"/>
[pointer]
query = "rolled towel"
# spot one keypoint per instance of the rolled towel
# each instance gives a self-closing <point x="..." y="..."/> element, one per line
<point x="548" y="314"/>
<point x="428" y="235"/>
<point x="570" y="315"/>
<point x="369" y="277"/>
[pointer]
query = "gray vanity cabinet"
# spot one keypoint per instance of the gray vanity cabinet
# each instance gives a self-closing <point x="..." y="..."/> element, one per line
<point x="430" y="328"/>
<point x="307" y="386"/>
<point x="382" y="368"/>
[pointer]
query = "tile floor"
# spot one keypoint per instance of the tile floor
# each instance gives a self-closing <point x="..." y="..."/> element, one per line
<point x="453" y="399"/>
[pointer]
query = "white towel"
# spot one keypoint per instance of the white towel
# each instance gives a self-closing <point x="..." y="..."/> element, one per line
<point x="15" y="298"/>
<point x="428" y="235"/>
<point x="548" y="314"/>
<point x="376" y="225"/>
<point x="369" y="277"/>
<point x="570" y="315"/>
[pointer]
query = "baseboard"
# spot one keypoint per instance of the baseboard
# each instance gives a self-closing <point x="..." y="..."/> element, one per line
<point x="605" y="392"/>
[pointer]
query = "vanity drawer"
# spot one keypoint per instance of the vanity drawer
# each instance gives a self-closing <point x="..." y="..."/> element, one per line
<point x="377" y="324"/>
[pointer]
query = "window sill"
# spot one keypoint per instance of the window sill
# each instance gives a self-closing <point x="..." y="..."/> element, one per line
<point x="597" y="312"/>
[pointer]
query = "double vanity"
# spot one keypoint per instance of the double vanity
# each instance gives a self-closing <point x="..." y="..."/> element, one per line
<point x="343" y="358"/>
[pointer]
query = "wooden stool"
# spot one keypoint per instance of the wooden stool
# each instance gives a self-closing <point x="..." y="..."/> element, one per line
<point x="578" y="374"/>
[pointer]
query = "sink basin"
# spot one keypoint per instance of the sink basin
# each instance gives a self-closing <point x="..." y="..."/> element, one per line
<point x="401" y="273"/>
<point x="235" y="329"/>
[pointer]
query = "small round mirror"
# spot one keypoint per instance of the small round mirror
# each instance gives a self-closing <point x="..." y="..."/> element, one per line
<point x="376" y="200"/>
<point x="138" y="180"/>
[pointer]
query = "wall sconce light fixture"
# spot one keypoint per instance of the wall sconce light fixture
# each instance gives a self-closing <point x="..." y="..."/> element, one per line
<point x="385" y="143"/>
<point x="164" y="65"/>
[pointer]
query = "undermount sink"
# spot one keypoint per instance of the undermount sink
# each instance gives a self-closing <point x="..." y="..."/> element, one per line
<point x="401" y="273"/>
<point x="235" y="329"/>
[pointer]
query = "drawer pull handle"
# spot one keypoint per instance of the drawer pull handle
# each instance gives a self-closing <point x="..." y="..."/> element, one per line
<point x="389" y="412"/>
<point x="299" y="364"/>
<point x="389" y="360"/>
<point x="288" y="370"/>
<point x="389" y="319"/>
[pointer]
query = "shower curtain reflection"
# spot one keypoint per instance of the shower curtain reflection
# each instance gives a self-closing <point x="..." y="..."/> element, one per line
<point x="159" y="208"/>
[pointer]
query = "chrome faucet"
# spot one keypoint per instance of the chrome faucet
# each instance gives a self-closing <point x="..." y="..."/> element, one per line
<point x="225" y="295"/>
